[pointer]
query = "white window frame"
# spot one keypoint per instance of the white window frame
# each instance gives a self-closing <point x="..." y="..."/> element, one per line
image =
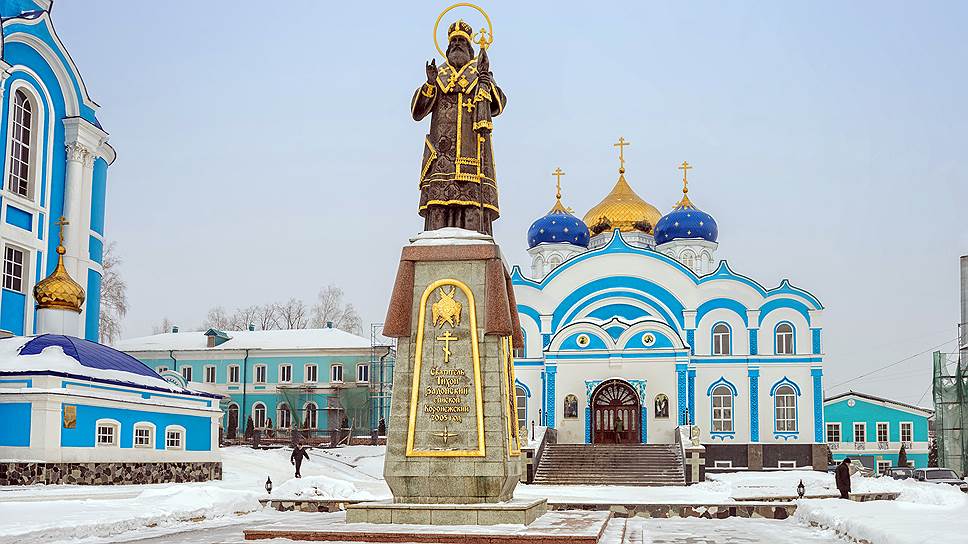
<point x="725" y="410"/>
<point x="722" y="464"/>
<point x="840" y="435"/>
<point x="187" y="375"/>
<point x="280" y="424"/>
<point x="887" y="431"/>
<point x="283" y="368"/>
<point x="9" y="268"/>
<point x="255" y="414"/>
<point x="260" y="369"/>
<point x="785" y="341"/>
<point x="311" y="373"/>
<point x="909" y="425"/>
<point x="786" y="464"/>
<point x="860" y="425"/>
<point x="180" y="433"/>
<point x="785" y="416"/>
<point x="334" y="369"/>
<point x="882" y="466"/>
<point x="233" y="369"/>
<point x="161" y="369"/>
<point x="361" y="369"/>
<point x="521" y="403"/>
<point x="115" y="427"/>
<point x="34" y="145"/>
<point x="146" y="426"/>
<point x="315" y="416"/>
<point x="210" y="369"/>
<point x="722" y="340"/>
<point x="688" y="259"/>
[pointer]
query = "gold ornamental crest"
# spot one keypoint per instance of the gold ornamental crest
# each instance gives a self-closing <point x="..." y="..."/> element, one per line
<point x="446" y="309"/>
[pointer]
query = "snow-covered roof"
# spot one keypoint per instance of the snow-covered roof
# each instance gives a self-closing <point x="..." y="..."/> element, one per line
<point x="866" y="396"/>
<point x="70" y="356"/>
<point x="290" y="339"/>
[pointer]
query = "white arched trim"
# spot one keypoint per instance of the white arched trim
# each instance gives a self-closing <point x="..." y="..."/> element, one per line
<point x="655" y="325"/>
<point x="116" y="433"/>
<point x="175" y="437"/>
<point x="71" y="107"/>
<point x="43" y="139"/>
<point x="576" y="327"/>
<point x="152" y="437"/>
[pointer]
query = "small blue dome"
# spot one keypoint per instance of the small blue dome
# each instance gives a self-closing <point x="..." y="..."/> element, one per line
<point x="559" y="226"/>
<point x="686" y="221"/>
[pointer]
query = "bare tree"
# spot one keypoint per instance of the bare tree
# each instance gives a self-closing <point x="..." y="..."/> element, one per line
<point x="114" y="296"/>
<point x="217" y="318"/>
<point x="331" y="308"/>
<point x="163" y="327"/>
<point x="293" y="314"/>
<point x="267" y="317"/>
<point x="243" y="317"/>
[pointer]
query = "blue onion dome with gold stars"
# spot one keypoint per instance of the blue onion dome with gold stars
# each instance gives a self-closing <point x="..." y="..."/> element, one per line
<point x="686" y="221"/>
<point x="559" y="225"/>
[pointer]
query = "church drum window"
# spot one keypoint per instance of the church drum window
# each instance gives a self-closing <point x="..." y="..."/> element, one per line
<point x="784" y="339"/>
<point x="786" y="409"/>
<point x="722" y="399"/>
<point x="14" y="264"/>
<point x="616" y="414"/>
<point x="22" y="121"/>
<point x="721" y="339"/>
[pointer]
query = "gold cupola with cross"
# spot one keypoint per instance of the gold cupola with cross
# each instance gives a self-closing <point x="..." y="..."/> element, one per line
<point x="59" y="291"/>
<point x="622" y="208"/>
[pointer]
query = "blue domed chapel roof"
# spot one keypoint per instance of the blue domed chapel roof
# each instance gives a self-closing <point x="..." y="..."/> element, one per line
<point x="686" y="221"/>
<point x="558" y="226"/>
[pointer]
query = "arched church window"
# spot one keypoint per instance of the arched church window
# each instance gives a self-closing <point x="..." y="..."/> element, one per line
<point x="310" y="419"/>
<point x="21" y="139"/>
<point x="721" y="339"/>
<point x="521" y="399"/>
<point x="232" y="426"/>
<point x="785" y="400"/>
<point x="553" y="262"/>
<point x="784" y="339"/>
<point x="259" y="415"/>
<point x="722" y="409"/>
<point x="688" y="258"/>
<point x="284" y="417"/>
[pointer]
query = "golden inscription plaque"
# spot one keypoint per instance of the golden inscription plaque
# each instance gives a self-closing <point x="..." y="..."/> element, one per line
<point x="70" y="416"/>
<point x="446" y="403"/>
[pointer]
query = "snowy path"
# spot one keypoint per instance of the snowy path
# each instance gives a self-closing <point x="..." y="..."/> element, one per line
<point x="724" y="531"/>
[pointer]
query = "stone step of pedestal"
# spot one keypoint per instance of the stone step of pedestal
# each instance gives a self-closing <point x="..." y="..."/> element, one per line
<point x="611" y="464"/>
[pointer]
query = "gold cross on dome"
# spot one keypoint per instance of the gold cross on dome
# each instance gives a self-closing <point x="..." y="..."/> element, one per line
<point x="62" y="222"/>
<point x="558" y="173"/>
<point x="621" y="152"/>
<point x="685" y="167"/>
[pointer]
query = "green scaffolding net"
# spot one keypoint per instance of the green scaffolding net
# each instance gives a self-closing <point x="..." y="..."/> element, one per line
<point x="950" y="387"/>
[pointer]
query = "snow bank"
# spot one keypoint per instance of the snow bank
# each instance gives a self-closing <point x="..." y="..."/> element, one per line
<point x="320" y="487"/>
<point x="46" y="521"/>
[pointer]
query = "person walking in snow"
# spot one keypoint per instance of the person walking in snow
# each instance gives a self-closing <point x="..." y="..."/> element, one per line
<point x="298" y="454"/>
<point x="843" y="478"/>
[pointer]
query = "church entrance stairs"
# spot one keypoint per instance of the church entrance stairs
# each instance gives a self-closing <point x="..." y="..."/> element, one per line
<point x="611" y="464"/>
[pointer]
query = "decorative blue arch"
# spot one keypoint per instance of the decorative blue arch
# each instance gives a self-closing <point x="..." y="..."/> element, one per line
<point x="785" y="381"/>
<point x="724" y="303"/>
<point x="712" y="338"/>
<point x="778" y="303"/>
<point x="722" y="381"/>
<point x="648" y="292"/>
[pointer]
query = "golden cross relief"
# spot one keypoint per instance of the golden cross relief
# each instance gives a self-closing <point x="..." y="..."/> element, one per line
<point x="447" y="338"/>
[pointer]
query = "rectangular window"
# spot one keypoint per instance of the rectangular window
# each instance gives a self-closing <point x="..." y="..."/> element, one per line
<point x="234" y="374"/>
<point x="833" y="432"/>
<point x="173" y="440"/>
<point x="142" y="437"/>
<point x="311" y="373"/>
<point x="882" y="466"/>
<point x="107" y="435"/>
<point x="722" y="464"/>
<point x="787" y="464"/>
<point x="162" y="369"/>
<point x="882" y="435"/>
<point x="260" y="374"/>
<point x="336" y="373"/>
<point x="14" y="264"/>
<point x="187" y="373"/>
<point x="722" y="410"/>
<point x="363" y="373"/>
<point x="860" y="432"/>
<point x="209" y="374"/>
<point x="285" y="373"/>
<point x="907" y="431"/>
<point x="786" y="413"/>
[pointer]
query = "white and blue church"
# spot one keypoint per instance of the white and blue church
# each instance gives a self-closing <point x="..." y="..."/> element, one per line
<point x="633" y="328"/>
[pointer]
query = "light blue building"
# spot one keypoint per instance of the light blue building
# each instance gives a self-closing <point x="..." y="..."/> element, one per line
<point x="55" y="164"/>
<point x="308" y="379"/>
<point x="78" y="412"/>
<point x="873" y="429"/>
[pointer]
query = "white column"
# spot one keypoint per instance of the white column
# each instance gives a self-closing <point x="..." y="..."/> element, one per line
<point x="77" y="154"/>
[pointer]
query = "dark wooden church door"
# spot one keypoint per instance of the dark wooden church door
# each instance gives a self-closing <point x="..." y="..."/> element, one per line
<point x="616" y="414"/>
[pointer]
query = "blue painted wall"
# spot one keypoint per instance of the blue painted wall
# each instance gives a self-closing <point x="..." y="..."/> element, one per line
<point x="93" y="306"/>
<point x="20" y="218"/>
<point x="870" y="413"/>
<point x="15" y="430"/>
<point x="98" y="191"/>
<point x="197" y="428"/>
<point x="13" y="306"/>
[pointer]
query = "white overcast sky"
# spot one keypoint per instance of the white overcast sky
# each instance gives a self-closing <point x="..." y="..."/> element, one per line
<point x="265" y="149"/>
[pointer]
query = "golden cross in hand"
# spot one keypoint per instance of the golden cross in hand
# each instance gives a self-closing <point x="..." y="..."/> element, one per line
<point x="558" y="173"/>
<point x="621" y="153"/>
<point x="447" y="338"/>
<point x="62" y="222"/>
<point x="685" y="171"/>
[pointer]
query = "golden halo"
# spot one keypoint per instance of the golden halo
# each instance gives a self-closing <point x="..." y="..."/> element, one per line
<point x="490" y="29"/>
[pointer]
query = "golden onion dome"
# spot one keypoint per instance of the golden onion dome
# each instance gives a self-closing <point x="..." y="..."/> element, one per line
<point x="58" y="290"/>
<point x="622" y="209"/>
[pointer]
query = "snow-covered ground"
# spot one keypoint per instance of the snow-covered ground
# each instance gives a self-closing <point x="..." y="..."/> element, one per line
<point x="208" y="512"/>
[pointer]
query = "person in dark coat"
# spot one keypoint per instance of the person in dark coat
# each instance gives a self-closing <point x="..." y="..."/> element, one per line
<point x="843" y="478"/>
<point x="298" y="454"/>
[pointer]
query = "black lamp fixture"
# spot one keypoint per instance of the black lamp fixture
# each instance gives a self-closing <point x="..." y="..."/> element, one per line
<point x="800" y="489"/>
<point x="269" y="486"/>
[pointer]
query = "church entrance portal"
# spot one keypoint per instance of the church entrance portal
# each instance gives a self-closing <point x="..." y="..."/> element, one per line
<point x="616" y="414"/>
